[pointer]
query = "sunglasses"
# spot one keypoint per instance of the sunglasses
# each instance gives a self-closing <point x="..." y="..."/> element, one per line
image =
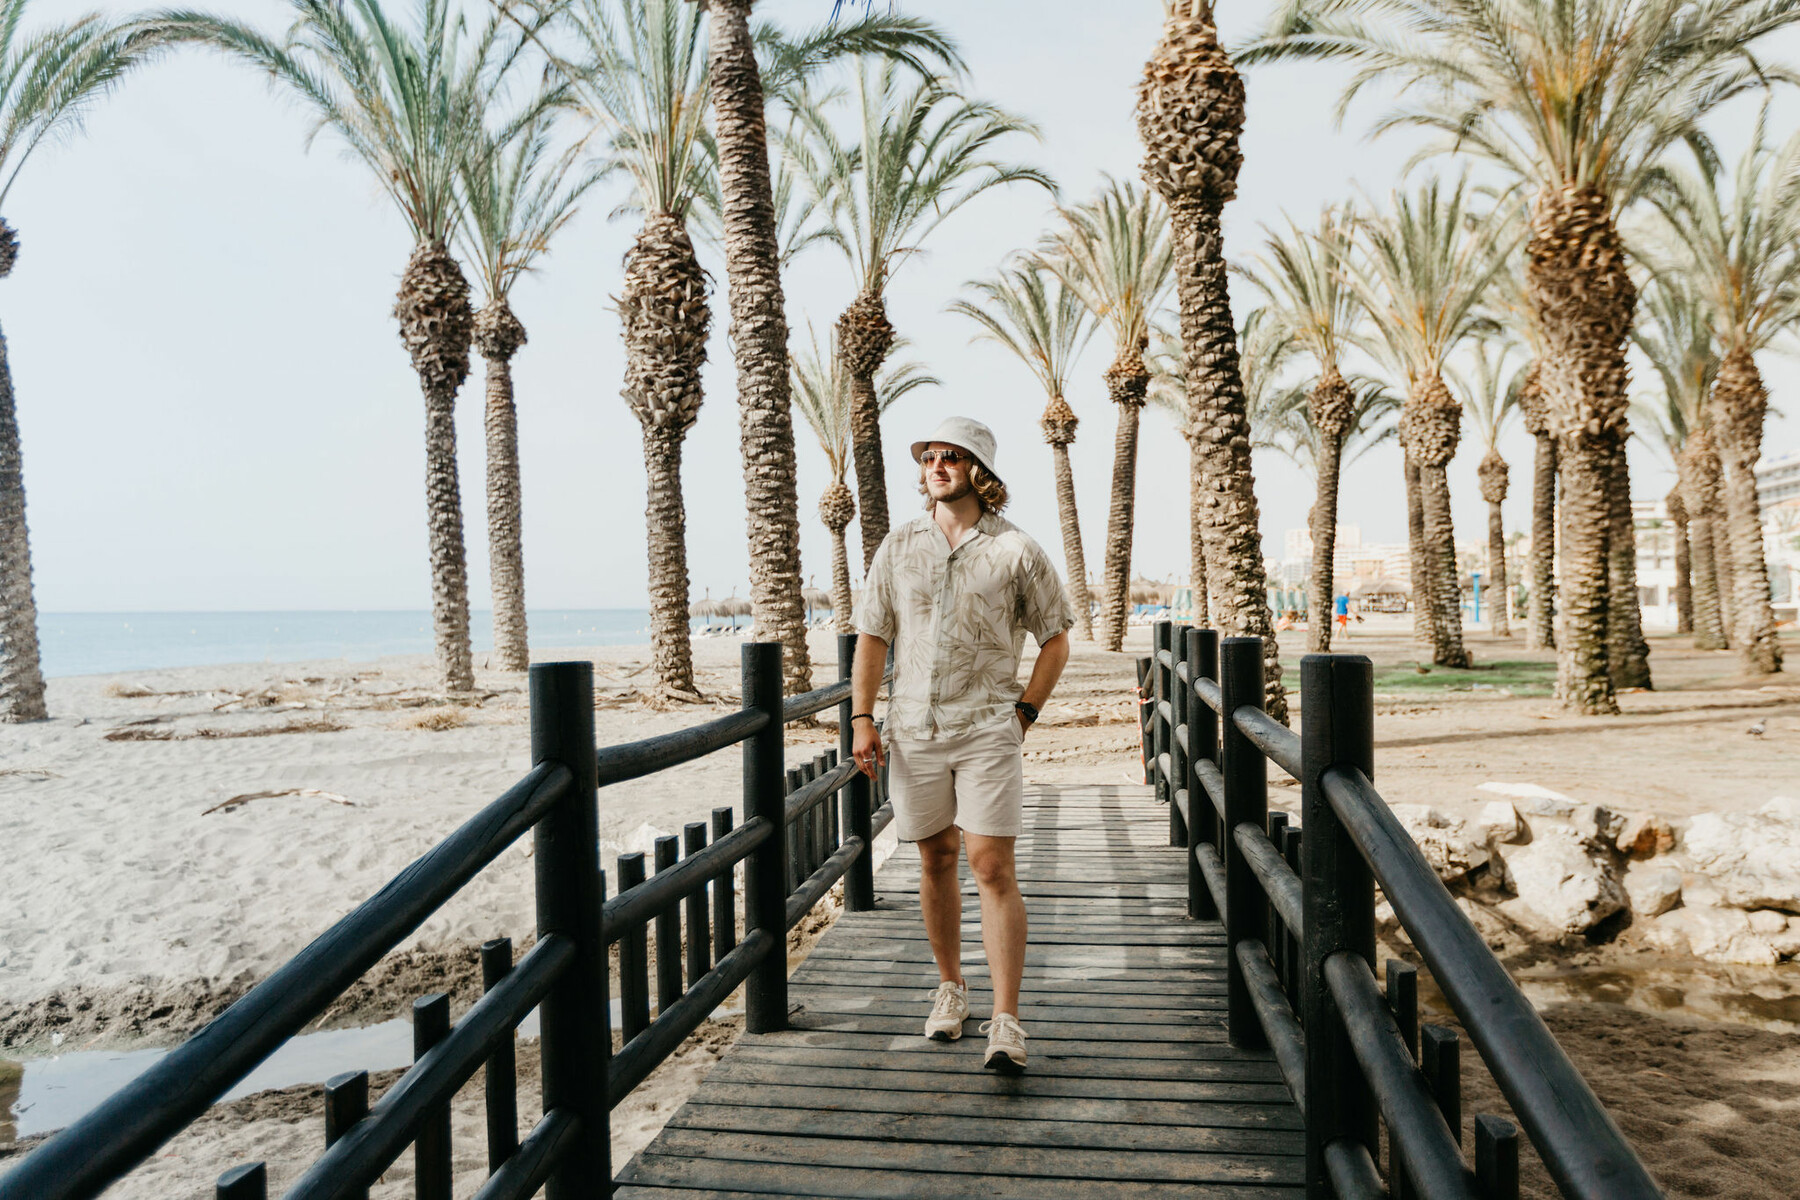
<point x="949" y="458"/>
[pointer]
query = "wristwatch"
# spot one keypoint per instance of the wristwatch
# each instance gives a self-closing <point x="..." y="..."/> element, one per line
<point x="1030" y="711"/>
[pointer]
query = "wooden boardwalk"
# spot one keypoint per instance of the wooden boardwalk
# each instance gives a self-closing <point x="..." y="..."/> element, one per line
<point x="1132" y="1090"/>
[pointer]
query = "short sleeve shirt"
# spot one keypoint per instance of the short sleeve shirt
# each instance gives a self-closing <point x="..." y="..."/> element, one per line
<point x="957" y="621"/>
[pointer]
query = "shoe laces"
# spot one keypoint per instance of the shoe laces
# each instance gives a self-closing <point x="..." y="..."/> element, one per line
<point x="1005" y="1024"/>
<point x="947" y="996"/>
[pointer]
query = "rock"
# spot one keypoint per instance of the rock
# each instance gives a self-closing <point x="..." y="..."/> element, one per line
<point x="1645" y="835"/>
<point x="1539" y="801"/>
<point x="1564" y="886"/>
<point x="1787" y="943"/>
<point x="1767" y="921"/>
<point x="1499" y="820"/>
<point x="1653" y="891"/>
<point x="1596" y="823"/>
<point x="1720" y="935"/>
<point x="1753" y="858"/>
<point x="1452" y="849"/>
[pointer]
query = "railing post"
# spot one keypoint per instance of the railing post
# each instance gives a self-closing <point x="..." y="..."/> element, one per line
<point x="502" y="1068"/>
<point x="566" y="851"/>
<point x="1337" y="728"/>
<point x="765" y="871"/>
<point x="431" y="1144"/>
<point x="1203" y="746"/>
<point x="1144" y="698"/>
<point x="1161" y="638"/>
<point x="859" y="879"/>
<point x="1180" y="701"/>
<point x="1246" y="774"/>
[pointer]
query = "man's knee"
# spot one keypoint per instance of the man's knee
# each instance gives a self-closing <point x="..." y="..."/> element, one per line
<point x="938" y="852"/>
<point x="992" y="866"/>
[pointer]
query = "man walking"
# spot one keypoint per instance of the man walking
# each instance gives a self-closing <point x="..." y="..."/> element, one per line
<point x="954" y="592"/>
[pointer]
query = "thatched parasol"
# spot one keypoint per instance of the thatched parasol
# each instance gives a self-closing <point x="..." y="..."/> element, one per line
<point x="815" y="598"/>
<point x="734" y="608"/>
<point x="1148" y="591"/>
<point x="707" y="607"/>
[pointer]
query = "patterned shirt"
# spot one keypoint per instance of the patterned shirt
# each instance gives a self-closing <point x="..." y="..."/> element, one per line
<point x="957" y="621"/>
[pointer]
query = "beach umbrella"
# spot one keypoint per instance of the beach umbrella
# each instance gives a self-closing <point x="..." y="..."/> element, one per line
<point x="734" y="608"/>
<point x="817" y="598"/>
<point x="707" y="607"/>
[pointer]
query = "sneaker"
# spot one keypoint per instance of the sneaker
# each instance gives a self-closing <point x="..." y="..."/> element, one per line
<point x="949" y="1009"/>
<point x="1006" y="1044"/>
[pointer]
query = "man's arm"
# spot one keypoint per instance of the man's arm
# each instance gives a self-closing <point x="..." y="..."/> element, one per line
<point x="1053" y="656"/>
<point x="866" y="671"/>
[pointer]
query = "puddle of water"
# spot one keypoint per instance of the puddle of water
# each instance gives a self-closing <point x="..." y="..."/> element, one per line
<point x="1764" y="997"/>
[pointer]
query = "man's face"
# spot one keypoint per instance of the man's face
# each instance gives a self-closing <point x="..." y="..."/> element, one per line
<point x="946" y="481"/>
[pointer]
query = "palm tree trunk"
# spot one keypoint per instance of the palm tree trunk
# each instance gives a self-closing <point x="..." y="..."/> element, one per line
<point x="1628" y="654"/>
<point x="1424" y="586"/>
<point x="1697" y="475"/>
<point x="1237" y="583"/>
<point x="1322" y="520"/>
<point x="1739" y="402"/>
<point x="1540" y="624"/>
<point x="840" y="583"/>
<point x="21" y="677"/>
<point x="759" y="339"/>
<point x="1447" y="649"/>
<point x="1684" y="565"/>
<point x="1578" y="276"/>
<point x="864" y="339"/>
<point x="1197" y="535"/>
<point x="665" y="517"/>
<point x="1116" y="584"/>
<point x="498" y="335"/>
<point x="1071" y="538"/>
<point x="436" y="327"/>
<point x="1501" y="621"/>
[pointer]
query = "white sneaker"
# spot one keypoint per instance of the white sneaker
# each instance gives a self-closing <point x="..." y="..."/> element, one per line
<point x="1006" y="1044"/>
<point x="949" y="1009"/>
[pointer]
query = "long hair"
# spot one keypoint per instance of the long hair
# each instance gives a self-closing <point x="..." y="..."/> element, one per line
<point x="987" y="486"/>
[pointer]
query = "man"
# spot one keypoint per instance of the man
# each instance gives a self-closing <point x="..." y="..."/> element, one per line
<point x="954" y="592"/>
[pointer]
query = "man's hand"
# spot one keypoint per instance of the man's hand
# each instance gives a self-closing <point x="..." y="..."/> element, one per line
<point x="865" y="681"/>
<point x="865" y="747"/>
<point x="1024" y="724"/>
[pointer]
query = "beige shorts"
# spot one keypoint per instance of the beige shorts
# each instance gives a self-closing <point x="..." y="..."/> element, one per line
<point x="974" y="780"/>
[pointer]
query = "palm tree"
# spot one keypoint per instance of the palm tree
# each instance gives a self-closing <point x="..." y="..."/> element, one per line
<point x="1314" y="305"/>
<point x="1678" y="341"/>
<point x="1491" y="397"/>
<point x="516" y="199"/>
<point x="1290" y="428"/>
<point x="1190" y="112"/>
<point x="920" y="153"/>
<point x="411" y="100"/>
<point x="1265" y="401"/>
<point x="1579" y="99"/>
<point x="1741" y="253"/>
<point x="1029" y="310"/>
<point x="48" y="82"/>
<point x="1114" y="253"/>
<point x="823" y="396"/>
<point x="1421" y="273"/>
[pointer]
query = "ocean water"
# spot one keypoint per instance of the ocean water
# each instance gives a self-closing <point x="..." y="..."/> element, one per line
<point x="103" y="643"/>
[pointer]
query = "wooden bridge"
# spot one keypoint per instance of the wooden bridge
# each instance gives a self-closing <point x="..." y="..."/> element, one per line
<point x="1132" y="1089"/>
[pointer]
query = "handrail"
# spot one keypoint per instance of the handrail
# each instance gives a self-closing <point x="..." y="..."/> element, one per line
<point x="525" y="1172"/>
<point x="656" y="894"/>
<point x="1208" y="691"/>
<point x="1279" y="881"/>
<point x="633" y="760"/>
<point x="1581" y="1146"/>
<point x="804" y="705"/>
<point x="1278" y="743"/>
<point x="645" y="1052"/>
<point x="1277" y="1017"/>
<point x="808" y="796"/>
<point x="131" y="1123"/>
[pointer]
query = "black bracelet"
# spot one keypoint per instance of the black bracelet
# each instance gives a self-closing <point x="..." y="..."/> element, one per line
<point x="857" y="716"/>
<point x="1030" y="711"/>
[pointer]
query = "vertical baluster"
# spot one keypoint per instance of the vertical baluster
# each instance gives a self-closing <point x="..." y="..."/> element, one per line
<point x="1440" y="1057"/>
<point x="1161" y="638"/>
<point x="1246" y="775"/>
<point x="431" y="1145"/>
<point x="1180" y="694"/>
<point x="1278" y="932"/>
<point x="699" y="933"/>
<point x="765" y="898"/>
<point x="502" y="1066"/>
<point x="1203" y="746"/>
<point x="724" y="893"/>
<point x="859" y="880"/>
<point x="565" y="851"/>
<point x="1403" y="999"/>
<point x="1144" y="698"/>
<point x="346" y="1103"/>
<point x="796" y="853"/>
<point x="634" y="957"/>
<point x="1496" y="1158"/>
<point x="248" y="1182"/>
<point x="1290" y="949"/>
<point x="1337" y="729"/>
<point x="824" y="764"/>
<point x="809" y="831"/>
<point x="668" y="932"/>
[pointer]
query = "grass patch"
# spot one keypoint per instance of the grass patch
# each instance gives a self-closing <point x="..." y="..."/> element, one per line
<point x="436" y="720"/>
<point x="1519" y="678"/>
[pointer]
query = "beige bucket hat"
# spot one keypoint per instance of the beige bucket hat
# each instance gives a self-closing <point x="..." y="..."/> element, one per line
<point x="970" y="435"/>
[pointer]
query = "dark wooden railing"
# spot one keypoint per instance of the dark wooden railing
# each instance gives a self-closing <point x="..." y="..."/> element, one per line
<point x="794" y="844"/>
<point x="1298" y="906"/>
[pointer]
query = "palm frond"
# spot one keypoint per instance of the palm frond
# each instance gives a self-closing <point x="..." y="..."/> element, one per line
<point x="1030" y="311"/>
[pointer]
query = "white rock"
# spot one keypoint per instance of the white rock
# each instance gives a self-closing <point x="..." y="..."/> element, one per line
<point x="1596" y="822"/>
<point x="1717" y="934"/>
<point x="1787" y="943"/>
<point x="1500" y="821"/>
<point x="1543" y="800"/>
<point x="1753" y="858"/>
<point x="1645" y="835"/>
<point x="1451" y="847"/>
<point x="1653" y="890"/>
<point x="1767" y="921"/>
<point x="1564" y="886"/>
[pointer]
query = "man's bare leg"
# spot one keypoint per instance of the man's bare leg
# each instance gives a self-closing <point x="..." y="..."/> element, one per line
<point x="1002" y="916"/>
<point x="940" y="899"/>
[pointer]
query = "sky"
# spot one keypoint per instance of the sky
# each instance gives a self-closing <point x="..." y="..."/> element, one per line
<point x="217" y="413"/>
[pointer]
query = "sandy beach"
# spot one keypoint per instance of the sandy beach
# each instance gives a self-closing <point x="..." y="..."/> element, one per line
<point x="174" y="835"/>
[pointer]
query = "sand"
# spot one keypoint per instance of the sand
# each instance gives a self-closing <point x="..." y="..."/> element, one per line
<point x="151" y="899"/>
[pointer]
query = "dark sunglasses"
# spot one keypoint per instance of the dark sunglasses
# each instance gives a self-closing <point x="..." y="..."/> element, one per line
<point x="948" y="457"/>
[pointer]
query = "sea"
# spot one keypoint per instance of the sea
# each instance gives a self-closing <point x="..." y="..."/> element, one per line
<point x="102" y="643"/>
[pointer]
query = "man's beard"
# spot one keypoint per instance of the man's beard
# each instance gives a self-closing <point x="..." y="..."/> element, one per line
<point x="956" y="491"/>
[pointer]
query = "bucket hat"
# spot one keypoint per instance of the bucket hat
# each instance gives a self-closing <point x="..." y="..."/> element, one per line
<point x="970" y="435"/>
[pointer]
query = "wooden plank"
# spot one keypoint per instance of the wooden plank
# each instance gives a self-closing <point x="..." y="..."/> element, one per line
<point x="987" y="1083"/>
<point x="1039" y="1030"/>
<point x="1200" y="984"/>
<point x="875" y="987"/>
<point x="910" y="1053"/>
<point x="1171" y="1114"/>
<point x="1038" y="1013"/>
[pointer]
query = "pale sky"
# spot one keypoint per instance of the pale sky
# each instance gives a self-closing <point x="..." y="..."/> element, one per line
<point x="217" y="412"/>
